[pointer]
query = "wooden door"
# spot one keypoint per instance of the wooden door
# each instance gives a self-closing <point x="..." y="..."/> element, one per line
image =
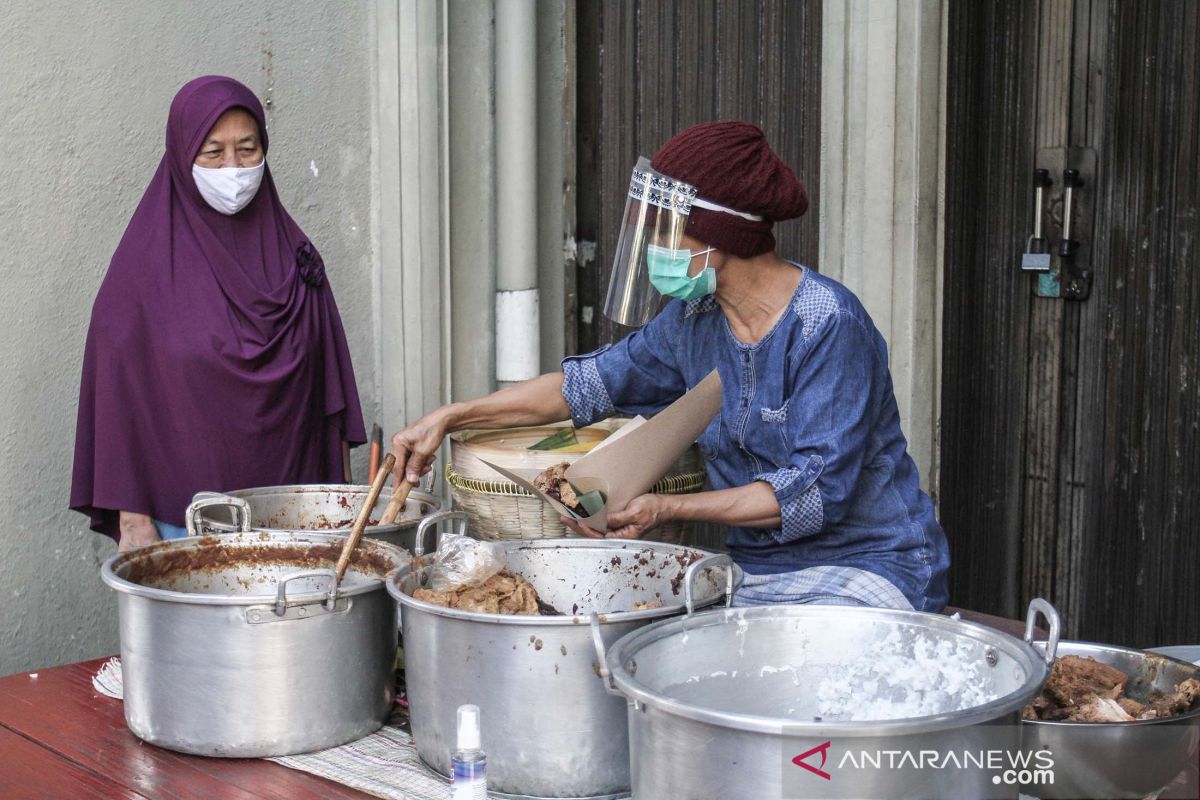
<point x="1070" y="437"/>
<point x="647" y="69"/>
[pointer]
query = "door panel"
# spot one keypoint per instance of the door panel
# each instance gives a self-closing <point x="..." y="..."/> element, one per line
<point x="647" y="69"/>
<point x="1071" y="429"/>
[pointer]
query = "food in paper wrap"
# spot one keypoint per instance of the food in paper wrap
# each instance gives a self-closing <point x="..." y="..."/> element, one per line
<point x="553" y="482"/>
<point x="631" y="461"/>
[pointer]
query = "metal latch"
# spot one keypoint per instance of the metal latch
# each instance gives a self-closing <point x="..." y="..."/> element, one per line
<point x="1037" y="257"/>
<point x="1063" y="271"/>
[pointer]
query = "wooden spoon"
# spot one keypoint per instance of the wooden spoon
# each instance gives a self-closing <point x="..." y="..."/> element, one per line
<point x="396" y="504"/>
<point x="363" y="515"/>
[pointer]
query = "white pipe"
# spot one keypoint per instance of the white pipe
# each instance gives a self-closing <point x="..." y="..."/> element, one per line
<point x="517" y="340"/>
<point x="516" y="330"/>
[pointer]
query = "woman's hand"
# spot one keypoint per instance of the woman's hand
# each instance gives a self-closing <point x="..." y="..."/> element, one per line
<point x="136" y="530"/>
<point x="416" y="446"/>
<point x="534" y="402"/>
<point x="643" y="513"/>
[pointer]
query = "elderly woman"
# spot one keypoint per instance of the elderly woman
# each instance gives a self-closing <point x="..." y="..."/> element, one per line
<point x="215" y="358"/>
<point x="808" y="465"/>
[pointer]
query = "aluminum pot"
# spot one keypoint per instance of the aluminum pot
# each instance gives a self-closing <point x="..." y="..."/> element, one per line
<point x="725" y="705"/>
<point x="327" y="508"/>
<point x="239" y="645"/>
<point x="549" y="728"/>
<point x="1121" y="759"/>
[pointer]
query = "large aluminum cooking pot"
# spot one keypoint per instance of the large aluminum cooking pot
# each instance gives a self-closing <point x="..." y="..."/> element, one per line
<point x="727" y="705"/>
<point x="549" y="728"/>
<point x="327" y="508"/>
<point x="240" y="645"/>
<point x="1120" y="759"/>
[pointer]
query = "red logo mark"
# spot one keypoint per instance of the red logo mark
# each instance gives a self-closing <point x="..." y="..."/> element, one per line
<point x="799" y="760"/>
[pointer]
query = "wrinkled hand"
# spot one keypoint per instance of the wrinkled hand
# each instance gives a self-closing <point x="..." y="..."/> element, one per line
<point x="136" y="530"/>
<point x="643" y="513"/>
<point x="416" y="446"/>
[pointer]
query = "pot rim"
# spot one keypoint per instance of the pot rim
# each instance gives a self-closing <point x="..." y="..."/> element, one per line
<point x="1187" y="717"/>
<point x="108" y="571"/>
<point x="352" y="489"/>
<point x="581" y="620"/>
<point x="628" y="646"/>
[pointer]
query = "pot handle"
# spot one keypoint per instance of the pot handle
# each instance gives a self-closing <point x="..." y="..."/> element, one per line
<point x="461" y="519"/>
<point x="281" y="590"/>
<point x="203" y="500"/>
<point x="693" y="570"/>
<point x="601" y="665"/>
<point x="1038" y="605"/>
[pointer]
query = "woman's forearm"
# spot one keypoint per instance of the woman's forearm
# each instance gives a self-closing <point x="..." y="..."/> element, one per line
<point x="750" y="506"/>
<point x="533" y="402"/>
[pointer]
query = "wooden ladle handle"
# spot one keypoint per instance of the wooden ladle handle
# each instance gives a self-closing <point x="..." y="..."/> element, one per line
<point x="396" y="504"/>
<point x="363" y="515"/>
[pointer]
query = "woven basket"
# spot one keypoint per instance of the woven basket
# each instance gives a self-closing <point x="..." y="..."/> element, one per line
<point x="500" y="509"/>
<point x="504" y="510"/>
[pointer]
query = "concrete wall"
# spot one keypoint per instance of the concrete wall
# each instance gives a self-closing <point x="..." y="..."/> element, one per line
<point x="84" y="91"/>
<point x="882" y="120"/>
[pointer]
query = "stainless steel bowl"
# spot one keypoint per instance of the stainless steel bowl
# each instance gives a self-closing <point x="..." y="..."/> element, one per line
<point x="1120" y="759"/>
<point x="324" y="508"/>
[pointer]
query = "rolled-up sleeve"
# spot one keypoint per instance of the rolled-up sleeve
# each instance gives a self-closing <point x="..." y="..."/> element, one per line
<point x="584" y="390"/>
<point x="637" y="375"/>
<point x="799" y="499"/>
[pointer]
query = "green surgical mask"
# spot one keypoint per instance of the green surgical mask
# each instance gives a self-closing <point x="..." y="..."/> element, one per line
<point x="669" y="272"/>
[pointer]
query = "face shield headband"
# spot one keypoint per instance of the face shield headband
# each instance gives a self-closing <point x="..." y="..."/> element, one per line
<point x="656" y="213"/>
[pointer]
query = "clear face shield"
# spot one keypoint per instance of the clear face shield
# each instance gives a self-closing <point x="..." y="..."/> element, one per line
<point x="656" y="213"/>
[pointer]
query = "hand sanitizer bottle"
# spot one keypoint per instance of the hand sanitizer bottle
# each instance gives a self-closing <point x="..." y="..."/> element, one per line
<point x="468" y="764"/>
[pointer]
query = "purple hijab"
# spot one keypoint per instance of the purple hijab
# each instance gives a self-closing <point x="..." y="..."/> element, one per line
<point x="215" y="358"/>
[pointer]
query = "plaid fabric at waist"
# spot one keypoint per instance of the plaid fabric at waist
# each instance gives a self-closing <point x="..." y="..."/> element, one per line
<point x="840" y="586"/>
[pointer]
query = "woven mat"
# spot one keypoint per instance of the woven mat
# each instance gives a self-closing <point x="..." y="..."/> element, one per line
<point x="384" y="764"/>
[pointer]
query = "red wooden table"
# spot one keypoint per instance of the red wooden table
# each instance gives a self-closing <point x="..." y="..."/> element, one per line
<point x="59" y="738"/>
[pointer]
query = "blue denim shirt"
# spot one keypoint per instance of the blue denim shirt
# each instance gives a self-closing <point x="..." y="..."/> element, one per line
<point x="810" y="410"/>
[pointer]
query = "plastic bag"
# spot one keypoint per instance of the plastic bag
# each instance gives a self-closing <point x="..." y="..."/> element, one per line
<point x="462" y="561"/>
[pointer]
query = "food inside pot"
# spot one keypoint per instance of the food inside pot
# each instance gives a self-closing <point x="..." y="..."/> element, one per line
<point x="904" y="676"/>
<point x="503" y="593"/>
<point x="628" y="579"/>
<point x="1082" y="689"/>
<point x="243" y="561"/>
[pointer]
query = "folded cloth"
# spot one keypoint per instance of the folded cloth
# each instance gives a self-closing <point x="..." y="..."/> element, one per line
<point x="384" y="763"/>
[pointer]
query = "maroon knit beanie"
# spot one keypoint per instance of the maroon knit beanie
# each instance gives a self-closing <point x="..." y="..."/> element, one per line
<point x="731" y="164"/>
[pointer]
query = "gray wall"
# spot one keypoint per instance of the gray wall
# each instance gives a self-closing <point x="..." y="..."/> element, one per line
<point x="84" y="91"/>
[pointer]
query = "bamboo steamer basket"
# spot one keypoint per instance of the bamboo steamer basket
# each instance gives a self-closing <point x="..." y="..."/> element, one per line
<point x="501" y="509"/>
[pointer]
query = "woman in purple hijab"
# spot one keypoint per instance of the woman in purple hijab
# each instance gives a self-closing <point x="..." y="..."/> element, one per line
<point x="216" y="358"/>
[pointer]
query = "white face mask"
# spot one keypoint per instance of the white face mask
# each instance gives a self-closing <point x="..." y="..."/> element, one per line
<point x="228" y="189"/>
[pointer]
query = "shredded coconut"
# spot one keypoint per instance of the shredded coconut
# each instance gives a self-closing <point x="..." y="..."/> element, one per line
<point x="899" y="681"/>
